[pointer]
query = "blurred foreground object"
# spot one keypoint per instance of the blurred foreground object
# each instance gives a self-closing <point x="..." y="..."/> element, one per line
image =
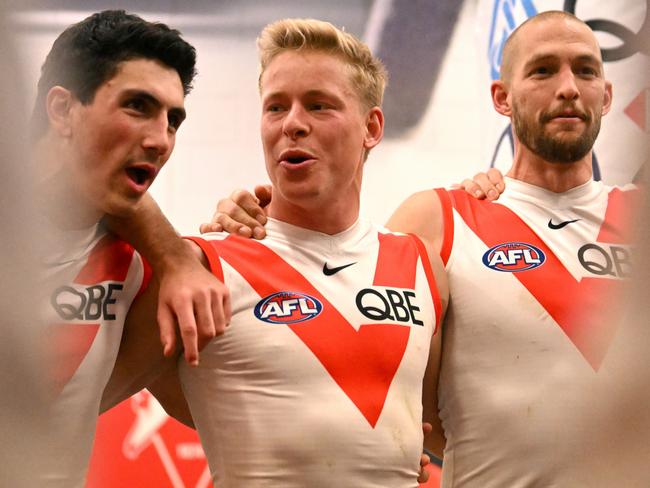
<point x="23" y="401"/>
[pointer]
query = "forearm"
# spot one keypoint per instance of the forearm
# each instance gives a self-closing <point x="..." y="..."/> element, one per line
<point x="149" y="231"/>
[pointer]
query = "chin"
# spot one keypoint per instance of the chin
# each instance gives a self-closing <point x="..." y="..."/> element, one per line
<point x="122" y="207"/>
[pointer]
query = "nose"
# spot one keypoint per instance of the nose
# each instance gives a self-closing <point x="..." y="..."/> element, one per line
<point x="158" y="140"/>
<point x="567" y="87"/>
<point x="295" y="123"/>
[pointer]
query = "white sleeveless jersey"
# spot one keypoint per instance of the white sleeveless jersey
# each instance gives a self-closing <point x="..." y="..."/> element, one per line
<point x="531" y="333"/>
<point x="92" y="282"/>
<point x="318" y="379"/>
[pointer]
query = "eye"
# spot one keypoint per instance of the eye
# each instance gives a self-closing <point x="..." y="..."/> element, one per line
<point x="273" y="107"/>
<point x="588" y="71"/>
<point x="541" y="70"/>
<point x="174" y="121"/>
<point x="137" y="104"/>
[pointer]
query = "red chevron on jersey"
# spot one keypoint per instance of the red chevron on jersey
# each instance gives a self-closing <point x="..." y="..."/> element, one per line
<point x="109" y="260"/>
<point x="582" y="316"/>
<point x="364" y="362"/>
<point x="70" y="344"/>
<point x="617" y="225"/>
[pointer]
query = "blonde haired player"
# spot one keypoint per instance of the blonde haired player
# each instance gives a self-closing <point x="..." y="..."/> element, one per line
<point x="318" y="381"/>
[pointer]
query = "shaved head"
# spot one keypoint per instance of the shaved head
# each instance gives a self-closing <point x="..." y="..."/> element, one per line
<point x="511" y="49"/>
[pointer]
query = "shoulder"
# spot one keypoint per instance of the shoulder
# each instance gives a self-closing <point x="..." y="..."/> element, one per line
<point x="421" y="214"/>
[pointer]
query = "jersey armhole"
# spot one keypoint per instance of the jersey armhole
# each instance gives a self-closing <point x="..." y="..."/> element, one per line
<point x="447" y="224"/>
<point x="428" y="271"/>
<point x="146" y="275"/>
<point x="211" y="254"/>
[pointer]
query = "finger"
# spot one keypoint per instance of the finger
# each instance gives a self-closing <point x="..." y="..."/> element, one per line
<point x="233" y="226"/>
<point x="187" y="327"/>
<point x="259" y="233"/>
<point x="487" y="187"/>
<point x="263" y="194"/>
<point x="496" y="177"/>
<point x="227" y="310"/>
<point x="206" y="321"/>
<point x="424" y="474"/>
<point x="233" y="218"/>
<point x="472" y="188"/>
<point x="218" y="313"/>
<point x="167" y="328"/>
<point x="210" y="227"/>
<point x="250" y="204"/>
<point x="426" y="428"/>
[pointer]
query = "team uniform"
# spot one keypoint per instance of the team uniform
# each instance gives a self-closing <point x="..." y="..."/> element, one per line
<point x="530" y="334"/>
<point x="318" y="379"/>
<point x="92" y="280"/>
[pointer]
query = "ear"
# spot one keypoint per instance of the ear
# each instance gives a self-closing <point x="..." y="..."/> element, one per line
<point x="374" y="128"/>
<point x="59" y="103"/>
<point x="500" y="98"/>
<point x="607" y="97"/>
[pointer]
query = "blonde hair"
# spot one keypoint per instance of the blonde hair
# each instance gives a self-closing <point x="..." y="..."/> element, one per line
<point x="368" y="74"/>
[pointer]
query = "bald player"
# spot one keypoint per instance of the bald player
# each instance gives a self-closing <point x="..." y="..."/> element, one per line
<point x="530" y="337"/>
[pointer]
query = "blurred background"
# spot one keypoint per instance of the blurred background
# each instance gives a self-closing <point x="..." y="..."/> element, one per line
<point x="440" y="128"/>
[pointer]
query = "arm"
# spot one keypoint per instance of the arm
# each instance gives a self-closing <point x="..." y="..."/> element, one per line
<point x="140" y="362"/>
<point x="189" y="294"/>
<point x="421" y="214"/>
<point x="243" y="213"/>
<point x="435" y="441"/>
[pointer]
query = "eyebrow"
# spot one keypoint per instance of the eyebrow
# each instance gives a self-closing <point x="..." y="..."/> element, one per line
<point x="176" y="111"/>
<point x="307" y="94"/>
<point x="590" y="58"/>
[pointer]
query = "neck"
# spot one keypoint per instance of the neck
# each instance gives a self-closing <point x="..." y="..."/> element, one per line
<point x="556" y="177"/>
<point x="320" y="218"/>
<point x="58" y="198"/>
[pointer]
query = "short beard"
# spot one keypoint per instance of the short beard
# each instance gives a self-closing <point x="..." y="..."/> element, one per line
<point x="555" y="150"/>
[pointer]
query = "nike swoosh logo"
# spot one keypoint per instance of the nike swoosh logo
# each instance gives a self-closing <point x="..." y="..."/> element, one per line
<point x="331" y="271"/>
<point x="553" y="226"/>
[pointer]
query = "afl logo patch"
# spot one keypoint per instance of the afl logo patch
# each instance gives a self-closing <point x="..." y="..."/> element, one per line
<point x="287" y="307"/>
<point x="512" y="257"/>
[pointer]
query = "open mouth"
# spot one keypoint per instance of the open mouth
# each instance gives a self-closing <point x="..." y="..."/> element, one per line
<point x="294" y="156"/>
<point x="297" y="159"/>
<point x="141" y="174"/>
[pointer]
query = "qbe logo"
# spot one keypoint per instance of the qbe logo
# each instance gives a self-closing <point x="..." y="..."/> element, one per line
<point x="287" y="307"/>
<point x="513" y="257"/>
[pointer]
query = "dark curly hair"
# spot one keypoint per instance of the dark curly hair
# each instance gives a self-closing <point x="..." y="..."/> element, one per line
<point x="89" y="52"/>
